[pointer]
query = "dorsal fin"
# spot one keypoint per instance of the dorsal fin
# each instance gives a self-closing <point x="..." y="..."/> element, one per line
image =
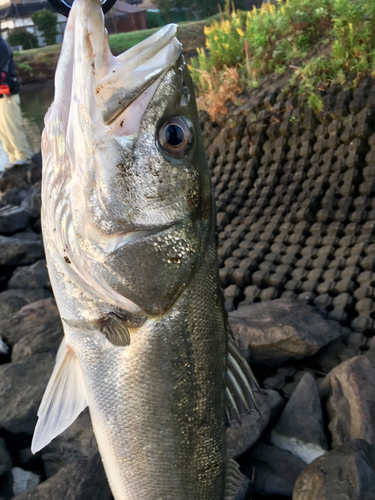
<point x="63" y="400"/>
<point x="241" y="383"/>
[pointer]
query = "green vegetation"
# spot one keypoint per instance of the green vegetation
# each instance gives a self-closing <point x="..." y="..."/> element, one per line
<point x="20" y="36"/>
<point x="46" y="22"/>
<point x="321" y="40"/>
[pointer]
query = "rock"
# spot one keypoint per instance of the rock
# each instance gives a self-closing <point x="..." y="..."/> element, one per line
<point x="35" y="318"/>
<point x="78" y="441"/>
<point x="12" y="219"/>
<point x="34" y="276"/>
<point x="33" y="202"/>
<point x="13" y="196"/>
<point x="18" y="252"/>
<point x="347" y="473"/>
<point x="275" y="331"/>
<point x="300" y="429"/>
<point x="14" y="177"/>
<point x="277" y="403"/>
<point x="5" y="458"/>
<point x="274" y="471"/>
<point x="18" y="481"/>
<point x="22" y="385"/>
<point x="241" y="436"/>
<point x="28" y="234"/>
<point x="80" y="480"/>
<point x="11" y="301"/>
<point x="4" y="348"/>
<point x="351" y="400"/>
<point x="10" y="304"/>
<point x="47" y="340"/>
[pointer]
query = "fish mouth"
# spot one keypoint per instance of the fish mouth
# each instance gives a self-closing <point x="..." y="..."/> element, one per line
<point x="135" y="71"/>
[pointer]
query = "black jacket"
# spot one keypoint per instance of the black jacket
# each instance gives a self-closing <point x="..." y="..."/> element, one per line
<point x="6" y="59"/>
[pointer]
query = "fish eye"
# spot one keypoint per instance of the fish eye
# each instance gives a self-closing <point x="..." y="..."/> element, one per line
<point x="176" y="136"/>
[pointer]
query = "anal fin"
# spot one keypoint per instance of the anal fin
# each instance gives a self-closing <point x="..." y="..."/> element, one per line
<point x="241" y="383"/>
<point x="237" y="485"/>
<point x="64" y="399"/>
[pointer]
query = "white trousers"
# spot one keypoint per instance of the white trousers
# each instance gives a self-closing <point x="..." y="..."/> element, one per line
<point x="12" y="136"/>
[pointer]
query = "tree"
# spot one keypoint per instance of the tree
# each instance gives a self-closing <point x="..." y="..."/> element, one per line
<point x="46" y="22"/>
<point x="20" y="36"/>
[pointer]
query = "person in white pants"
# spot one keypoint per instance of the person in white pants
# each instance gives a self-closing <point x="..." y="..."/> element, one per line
<point x="12" y="136"/>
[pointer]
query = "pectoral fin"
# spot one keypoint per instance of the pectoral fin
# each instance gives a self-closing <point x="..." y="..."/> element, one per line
<point x="63" y="400"/>
<point x="241" y="383"/>
<point x="237" y="485"/>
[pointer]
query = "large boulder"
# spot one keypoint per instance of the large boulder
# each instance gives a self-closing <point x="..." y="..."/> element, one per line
<point x="275" y="331"/>
<point x="18" y="251"/>
<point x="33" y="319"/>
<point x="274" y="471"/>
<point x="22" y="385"/>
<point x="12" y="219"/>
<point x="300" y="428"/>
<point x="347" y="473"/>
<point x="34" y="276"/>
<point x="350" y="388"/>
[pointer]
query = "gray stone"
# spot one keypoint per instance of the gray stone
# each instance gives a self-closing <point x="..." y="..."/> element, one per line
<point x="23" y="480"/>
<point x="27" y="234"/>
<point x="35" y="318"/>
<point x="5" y="458"/>
<point x="80" y="480"/>
<point x="351" y="400"/>
<point x="4" y="348"/>
<point x="347" y="473"/>
<point x="34" y="276"/>
<point x="242" y="435"/>
<point x="274" y="471"/>
<point x="13" y="196"/>
<point x="78" y="441"/>
<point x="12" y="301"/>
<point x="22" y="385"/>
<point x="14" y="177"/>
<point x="300" y="429"/>
<point x="275" y="331"/>
<point x="17" y="251"/>
<point x="33" y="202"/>
<point x="277" y="404"/>
<point x="12" y="219"/>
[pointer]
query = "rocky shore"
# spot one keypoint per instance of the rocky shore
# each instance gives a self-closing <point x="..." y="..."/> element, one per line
<point x="296" y="215"/>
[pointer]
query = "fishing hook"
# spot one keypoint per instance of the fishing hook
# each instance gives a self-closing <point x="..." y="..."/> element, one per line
<point x="63" y="7"/>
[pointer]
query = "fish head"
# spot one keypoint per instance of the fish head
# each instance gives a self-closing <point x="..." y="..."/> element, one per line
<point x="127" y="196"/>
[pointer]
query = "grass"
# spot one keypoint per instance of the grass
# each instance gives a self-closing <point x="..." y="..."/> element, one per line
<point x="321" y="40"/>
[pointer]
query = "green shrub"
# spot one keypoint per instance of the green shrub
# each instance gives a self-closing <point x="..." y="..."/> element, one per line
<point x="328" y="38"/>
<point x="154" y="19"/>
<point x="20" y="36"/>
<point x="46" y="22"/>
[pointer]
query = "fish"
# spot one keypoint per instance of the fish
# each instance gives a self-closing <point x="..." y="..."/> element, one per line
<point x="129" y="230"/>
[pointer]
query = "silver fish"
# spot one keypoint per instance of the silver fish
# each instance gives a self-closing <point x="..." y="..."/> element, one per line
<point x="128" y="223"/>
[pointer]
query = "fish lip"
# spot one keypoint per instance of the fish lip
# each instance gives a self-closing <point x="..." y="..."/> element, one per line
<point x="139" y="234"/>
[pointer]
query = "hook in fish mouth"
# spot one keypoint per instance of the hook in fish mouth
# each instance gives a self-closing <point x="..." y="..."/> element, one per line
<point x="63" y="7"/>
